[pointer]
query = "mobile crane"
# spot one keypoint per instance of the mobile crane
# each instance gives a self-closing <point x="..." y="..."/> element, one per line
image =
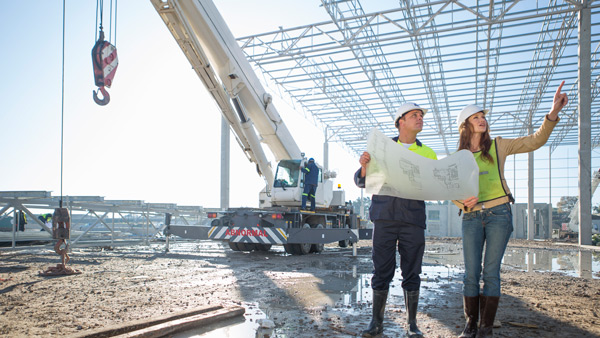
<point x="219" y="62"/>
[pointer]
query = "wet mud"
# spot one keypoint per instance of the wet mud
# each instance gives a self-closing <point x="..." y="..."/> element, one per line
<point x="549" y="290"/>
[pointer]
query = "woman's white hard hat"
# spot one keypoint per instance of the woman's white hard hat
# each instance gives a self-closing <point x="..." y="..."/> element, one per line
<point x="406" y="107"/>
<point x="467" y="112"/>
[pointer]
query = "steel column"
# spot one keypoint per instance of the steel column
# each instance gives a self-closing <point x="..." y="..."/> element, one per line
<point x="584" y="123"/>
<point x="530" y="201"/>
<point x="225" y="158"/>
<point x="550" y="191"/>
<point x="326" y="153"/>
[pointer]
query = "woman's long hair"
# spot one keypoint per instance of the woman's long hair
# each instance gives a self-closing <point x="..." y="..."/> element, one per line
<point x="485" y="142"/>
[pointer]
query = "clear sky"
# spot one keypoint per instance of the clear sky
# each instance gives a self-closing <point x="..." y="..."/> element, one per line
<point x="158" y="140"/>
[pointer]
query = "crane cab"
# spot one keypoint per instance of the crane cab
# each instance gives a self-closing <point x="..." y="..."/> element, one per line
<point x="288" y="185"/>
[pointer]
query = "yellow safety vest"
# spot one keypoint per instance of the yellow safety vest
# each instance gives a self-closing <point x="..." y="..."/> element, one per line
<point x="490" y="182"/>
<point x="421" y="149"/>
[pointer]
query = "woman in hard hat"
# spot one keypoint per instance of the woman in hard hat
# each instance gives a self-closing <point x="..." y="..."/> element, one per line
<point x="487" y="217"/>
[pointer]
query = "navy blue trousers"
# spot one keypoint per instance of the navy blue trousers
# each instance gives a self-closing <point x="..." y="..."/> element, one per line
<point x="309" y="193"/>
<point x="409" y="240"/>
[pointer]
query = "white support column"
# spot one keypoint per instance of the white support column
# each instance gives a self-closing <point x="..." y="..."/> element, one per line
<point x="225" y="159"/>
<point x="549" y="227"/>
<point x="112" y="231"/>
<point x="362" y="204"/>
<point x="14" y="228"/>
<point x="326" y="153"/>
<point x="147" y="223"/>
<point x="530" y="205"/>
<point x="584" y="122"/>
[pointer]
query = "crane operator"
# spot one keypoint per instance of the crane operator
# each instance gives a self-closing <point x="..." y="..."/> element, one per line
<point x="311" y="180"/>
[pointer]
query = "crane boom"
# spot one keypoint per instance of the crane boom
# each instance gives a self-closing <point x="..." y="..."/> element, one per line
<point x="574" y="215"/>
<point x="221" y="65"/>
<point x="209" y="45"/>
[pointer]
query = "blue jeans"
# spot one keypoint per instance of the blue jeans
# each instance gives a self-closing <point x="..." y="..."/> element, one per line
<point x="491" y="227"/>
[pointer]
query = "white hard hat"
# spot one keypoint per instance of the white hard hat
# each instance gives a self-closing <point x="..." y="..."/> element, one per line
<point x="468" y="111"/>
<point x="406" y="107"/>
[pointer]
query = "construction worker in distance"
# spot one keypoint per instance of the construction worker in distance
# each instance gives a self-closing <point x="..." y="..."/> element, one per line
<point x="398" y="223"/>
<point x="21" y="220"/>
<point x="46" y="219"/>
<point x="311" y="180"/>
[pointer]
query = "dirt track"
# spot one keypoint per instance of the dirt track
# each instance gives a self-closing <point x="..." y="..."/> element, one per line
<point x="319" y="295"/>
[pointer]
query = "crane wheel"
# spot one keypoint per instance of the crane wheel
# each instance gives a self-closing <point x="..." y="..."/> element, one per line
<point x="317" y="248"/>
<point x="263" y="247"/>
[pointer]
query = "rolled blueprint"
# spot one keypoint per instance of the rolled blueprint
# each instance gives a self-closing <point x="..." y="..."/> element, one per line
<point x="397" y="171"/>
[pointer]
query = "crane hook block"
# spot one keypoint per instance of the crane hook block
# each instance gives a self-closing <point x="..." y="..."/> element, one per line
<point x="61" y="223"/>
<point x="105" y="61"/>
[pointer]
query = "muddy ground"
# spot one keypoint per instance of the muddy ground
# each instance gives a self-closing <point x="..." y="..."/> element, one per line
<point x="318" y="295"/>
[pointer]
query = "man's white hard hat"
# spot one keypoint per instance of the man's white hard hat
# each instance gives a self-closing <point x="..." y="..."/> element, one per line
<point x="405" y="108"/>
<point x="467" y="112"/>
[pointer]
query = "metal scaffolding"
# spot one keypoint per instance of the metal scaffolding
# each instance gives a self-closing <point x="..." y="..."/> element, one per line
<point x="352" y="72"/>
<point x="94" y="220"/>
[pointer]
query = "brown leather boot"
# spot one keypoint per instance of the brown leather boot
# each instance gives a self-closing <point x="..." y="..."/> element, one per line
<point x="488" y="307"/>
<point x="471" y="306"/>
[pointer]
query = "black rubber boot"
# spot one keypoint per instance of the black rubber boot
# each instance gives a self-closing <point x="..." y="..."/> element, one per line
<point x="376" y="326"/>
<point x="488" y="307"/>
<point x="471" y="305"/>
<point x="411" y="299"/>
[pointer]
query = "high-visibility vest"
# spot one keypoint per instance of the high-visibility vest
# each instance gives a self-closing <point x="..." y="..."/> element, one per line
<point x="419" y="148"/>
<point x="490" y="181"/>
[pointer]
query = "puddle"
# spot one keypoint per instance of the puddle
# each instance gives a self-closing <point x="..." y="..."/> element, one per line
<point x="345" y="291"/>
<point x="340" y="292"/>
<point x="584" y="264"/>
<point x="242" y="327"/>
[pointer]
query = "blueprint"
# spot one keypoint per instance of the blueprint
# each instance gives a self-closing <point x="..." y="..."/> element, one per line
<point x="396" y="171"/>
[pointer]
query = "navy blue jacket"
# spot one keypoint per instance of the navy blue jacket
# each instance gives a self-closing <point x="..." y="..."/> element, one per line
<point x="311" y="172"/>
<point x="394" y="208"/>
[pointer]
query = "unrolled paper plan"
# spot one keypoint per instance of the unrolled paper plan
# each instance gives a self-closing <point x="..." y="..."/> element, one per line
<point x="396" y="171"/>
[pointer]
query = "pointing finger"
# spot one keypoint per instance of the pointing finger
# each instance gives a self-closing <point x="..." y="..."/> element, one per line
<point x="559" y="88"/>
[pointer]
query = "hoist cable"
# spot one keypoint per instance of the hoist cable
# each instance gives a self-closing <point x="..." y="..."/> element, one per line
<point x="99" y="9"/>
<point x="110" y="23"/>
<point x="116" y="6"/>
<point x="62" y="109"/>
<point x="113" y="38"/>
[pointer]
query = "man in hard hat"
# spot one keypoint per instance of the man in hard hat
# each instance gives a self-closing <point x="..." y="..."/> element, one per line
<point x="311" y="180"/>
<point x="400" y="223"/>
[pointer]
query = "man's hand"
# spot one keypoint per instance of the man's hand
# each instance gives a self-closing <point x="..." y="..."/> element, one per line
<point x="470" y="202"/>
<point x="364" y="159"/>
<point x="560" y="101"/>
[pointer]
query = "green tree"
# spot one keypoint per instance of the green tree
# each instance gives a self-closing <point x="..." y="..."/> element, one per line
<point x="357" y="205"/>
<point x="566" y="203"/>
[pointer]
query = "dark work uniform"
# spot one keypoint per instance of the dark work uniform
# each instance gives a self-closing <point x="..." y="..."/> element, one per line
<point x="311" y="180"/>
<point x="401" y="222"/>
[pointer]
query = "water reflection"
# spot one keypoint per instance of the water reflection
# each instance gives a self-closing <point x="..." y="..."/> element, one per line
<point x="346" y="289"/>
<point x="584" y="264"/>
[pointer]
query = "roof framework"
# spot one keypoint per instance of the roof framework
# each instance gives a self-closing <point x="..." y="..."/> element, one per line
<point x="352" y="72"/>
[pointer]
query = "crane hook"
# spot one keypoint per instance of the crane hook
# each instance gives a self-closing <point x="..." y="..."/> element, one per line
<point x="105" y="96"/>
<point x="105" y="61"/>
